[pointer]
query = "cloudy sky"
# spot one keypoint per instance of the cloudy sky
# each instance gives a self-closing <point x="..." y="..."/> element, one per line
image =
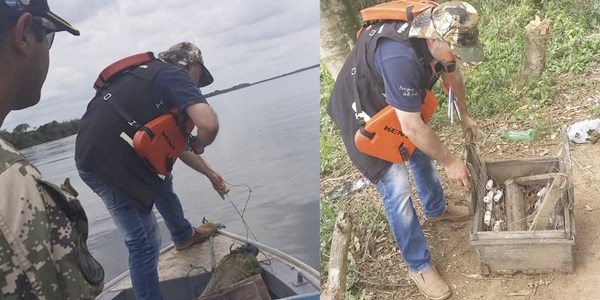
<point x="241" y="41"/>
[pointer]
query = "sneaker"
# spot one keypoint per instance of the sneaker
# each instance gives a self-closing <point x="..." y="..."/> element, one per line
<point x="431" y="284"/>
<point x="452" y="213"/>
<point x="199" y="235"/>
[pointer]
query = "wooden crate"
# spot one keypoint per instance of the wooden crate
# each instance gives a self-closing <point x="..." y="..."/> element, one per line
<point x="529" y="252"/>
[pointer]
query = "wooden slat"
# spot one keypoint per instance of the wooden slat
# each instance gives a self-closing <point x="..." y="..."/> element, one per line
<point x="566" y="168"/>
<point x="530" y="259"/>
<point x="503" y="170"/>
<point x="548" y="204"/>
<point x="491" y="236"/>
<point x="541" y="179"/>
<point x="515" y="207"/>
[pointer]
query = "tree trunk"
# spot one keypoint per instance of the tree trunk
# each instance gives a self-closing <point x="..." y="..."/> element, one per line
<point x="338" y="29"/>
<point x="536" y="43"/>
<point x="338" y="258"/>
<point x="340" y="20"/>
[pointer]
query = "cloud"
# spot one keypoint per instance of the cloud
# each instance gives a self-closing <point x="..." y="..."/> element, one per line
<point x="241" y="41"/>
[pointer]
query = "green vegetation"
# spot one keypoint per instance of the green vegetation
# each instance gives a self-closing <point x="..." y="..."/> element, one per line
<point x="21" y="138"/>
<point x="494" y="87"/>
<point x="332" y="155"/>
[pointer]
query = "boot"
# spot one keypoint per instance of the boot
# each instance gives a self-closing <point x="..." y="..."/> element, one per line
<point x="431" y="284"/>
<point x="452" y="213"/>
<point x="199" y="235"/>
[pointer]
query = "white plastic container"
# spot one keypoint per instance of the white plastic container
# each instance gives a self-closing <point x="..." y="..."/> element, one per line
<point x="498" y="196"/>
<point x="487" y="218"/>
<point x="489" y="185"/>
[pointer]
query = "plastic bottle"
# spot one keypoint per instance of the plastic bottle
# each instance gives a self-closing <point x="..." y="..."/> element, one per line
<point x="519" y="135"/>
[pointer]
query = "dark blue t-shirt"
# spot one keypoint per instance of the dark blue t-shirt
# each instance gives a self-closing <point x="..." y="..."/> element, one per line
<point x="399" y="67"/>
<point x="179" y="86"/>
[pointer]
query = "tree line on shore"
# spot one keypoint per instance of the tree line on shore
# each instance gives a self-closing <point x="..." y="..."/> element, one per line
<point x="23" y="136"/>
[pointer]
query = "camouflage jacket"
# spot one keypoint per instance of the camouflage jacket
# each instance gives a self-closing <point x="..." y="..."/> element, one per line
<point x="39" y="244"/>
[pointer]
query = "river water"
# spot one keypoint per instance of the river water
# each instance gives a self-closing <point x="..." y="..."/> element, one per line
<point x="268" y="140"/>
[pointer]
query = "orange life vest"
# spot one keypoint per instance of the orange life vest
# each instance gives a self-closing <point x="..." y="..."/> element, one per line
<point x="160" y="141"/>
<point x="382" y="135"/>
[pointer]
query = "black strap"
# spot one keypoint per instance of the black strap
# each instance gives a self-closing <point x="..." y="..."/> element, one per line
<point x="409" y="13"/>
<point x="149" y="132"/>
<point x="422" y="50"/>
<point x="121" y="111"/>
<point x="353" y="73"/>
<point x="366" y="133"/>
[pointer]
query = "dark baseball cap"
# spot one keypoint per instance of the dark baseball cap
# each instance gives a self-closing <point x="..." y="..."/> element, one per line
<point x="36" y="8"/>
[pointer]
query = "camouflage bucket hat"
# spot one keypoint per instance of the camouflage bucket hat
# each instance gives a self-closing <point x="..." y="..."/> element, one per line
<point x="186" y="53"/>
<point x="454" y="22"/>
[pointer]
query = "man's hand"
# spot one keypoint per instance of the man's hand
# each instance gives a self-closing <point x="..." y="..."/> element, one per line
<point x="218" y="184"/>
<point x="469" y="124"/>
<point x="457" y="173"/>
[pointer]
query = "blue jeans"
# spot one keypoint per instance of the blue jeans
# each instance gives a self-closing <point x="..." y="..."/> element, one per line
<point x="139" y="228"/>
<point x="394" y="188"/>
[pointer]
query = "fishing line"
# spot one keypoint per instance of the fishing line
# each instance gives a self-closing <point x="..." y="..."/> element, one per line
<point x="246" y="226"/>
<point x="194" y="288"/>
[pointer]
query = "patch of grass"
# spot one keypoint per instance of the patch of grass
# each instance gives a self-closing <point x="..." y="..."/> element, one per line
<point x="375" y="219"/>
<point x="495" y="86"/>
<point x="596" y="111"/>
<point x="330" y="142"/>
<point x="542" y="126"/>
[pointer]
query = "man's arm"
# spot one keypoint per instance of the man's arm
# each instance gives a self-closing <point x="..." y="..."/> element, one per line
<point x="197" y="163"/>
<point x="425" y="139"/>
<point x="205" y="119"/>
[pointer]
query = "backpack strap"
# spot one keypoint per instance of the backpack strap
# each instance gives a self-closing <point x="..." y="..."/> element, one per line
<point x="121" y="111"/>
<point x="401" y="10"/>
<point x="121" y="66"/>
<point x="409" y="14"/>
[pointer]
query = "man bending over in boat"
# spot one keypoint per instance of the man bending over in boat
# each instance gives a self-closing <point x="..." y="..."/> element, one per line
<point x="43" y="229"/>
<point x="131" y="176"/>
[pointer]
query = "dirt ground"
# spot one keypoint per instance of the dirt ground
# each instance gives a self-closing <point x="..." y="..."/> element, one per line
<point x="381" y="273"/>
